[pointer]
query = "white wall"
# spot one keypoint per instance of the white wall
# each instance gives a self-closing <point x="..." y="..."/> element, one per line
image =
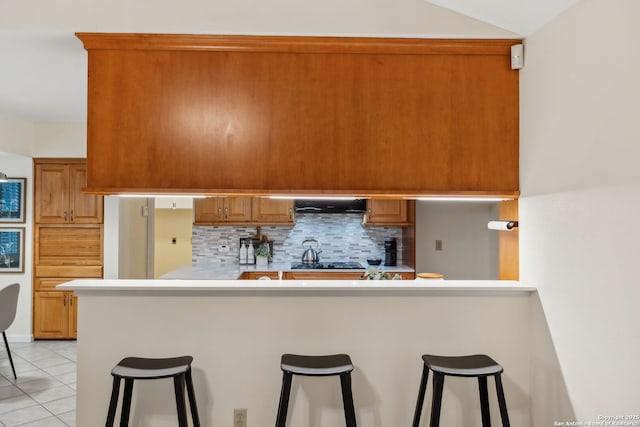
<point x="253" y="16"/>
<point x="60" y="140"/>
<point x="171" y="224"/>
<point x="21" y="167"/>
<point x="16" y="135"/>
<point x="132" y="236"/>
<point x="469" y="249"/>
<point x="580" y="184"/>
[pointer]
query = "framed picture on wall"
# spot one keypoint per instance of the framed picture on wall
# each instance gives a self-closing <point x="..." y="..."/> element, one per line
<point x="12" y="200"/>
<point x="12" y="250"/>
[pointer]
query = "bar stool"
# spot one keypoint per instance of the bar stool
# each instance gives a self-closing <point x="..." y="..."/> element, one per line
<point x="138" y="368"/>
<point x="316" y="366"/>
<point x="479" y="366"/>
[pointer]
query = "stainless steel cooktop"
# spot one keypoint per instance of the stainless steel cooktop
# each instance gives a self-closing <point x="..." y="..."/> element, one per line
<point x="327" y="266"/>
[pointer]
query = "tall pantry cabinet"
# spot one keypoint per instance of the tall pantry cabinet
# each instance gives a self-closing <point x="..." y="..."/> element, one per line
<point x="68" y="241"/>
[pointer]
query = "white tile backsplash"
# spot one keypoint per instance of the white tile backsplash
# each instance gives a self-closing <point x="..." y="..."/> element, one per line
<point x="341" y="236"/>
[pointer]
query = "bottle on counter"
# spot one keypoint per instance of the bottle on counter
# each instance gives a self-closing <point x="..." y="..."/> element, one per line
<point x="243" y="253"/>
<point x="251" y="259"/>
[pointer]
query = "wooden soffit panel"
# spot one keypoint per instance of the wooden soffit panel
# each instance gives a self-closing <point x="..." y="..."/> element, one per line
<point x="301" y="115"/>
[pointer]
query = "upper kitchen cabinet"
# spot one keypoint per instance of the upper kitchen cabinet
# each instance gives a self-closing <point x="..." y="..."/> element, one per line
<point x="243" y="210"/>
<point x="264" y="115"/>
<point x="59" y="196"/>
<point x="383" y="212"/>
<point x="222" y="211"/>
<point x="272" y="211"/>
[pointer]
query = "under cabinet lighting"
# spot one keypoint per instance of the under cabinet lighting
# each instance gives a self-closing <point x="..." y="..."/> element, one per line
<point x="312" y="198"/>
<point x="172" y="196"/>
<point x="462" y="199"/>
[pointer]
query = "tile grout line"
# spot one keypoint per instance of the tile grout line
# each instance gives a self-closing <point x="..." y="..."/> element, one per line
<point x="47" y="375"/>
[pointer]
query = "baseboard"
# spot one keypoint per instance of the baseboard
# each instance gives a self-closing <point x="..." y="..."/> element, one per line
<point x="19" y="338"/>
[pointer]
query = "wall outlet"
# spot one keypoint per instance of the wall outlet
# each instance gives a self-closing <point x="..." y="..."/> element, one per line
<point x="240" y="417"/>
<point x="223" y="246"/>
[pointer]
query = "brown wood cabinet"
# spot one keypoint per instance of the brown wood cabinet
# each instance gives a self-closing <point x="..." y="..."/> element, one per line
<point x="59" y="199"/>
<point x="301" y="115"/>
<point x="222" y="210"/>
<point x="56" y="314"/>
<point x="315" y="275"/>
<point x="68" y="243"/>
<point x="243" y="210"/>
<point x="386" y="212"/>
<point x="322" y="275"/>
<point x="255" y="275"/>
<point x="272" y="211"/>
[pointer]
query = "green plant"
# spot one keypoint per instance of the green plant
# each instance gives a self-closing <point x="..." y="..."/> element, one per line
<point x="262" y="251"/>
<point x="373" y="273"/>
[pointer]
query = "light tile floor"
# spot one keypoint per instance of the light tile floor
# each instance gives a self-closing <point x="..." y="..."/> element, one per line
<point x="45" y="393"/>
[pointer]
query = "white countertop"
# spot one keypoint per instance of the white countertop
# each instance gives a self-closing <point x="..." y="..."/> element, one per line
<point x="252" y="287"/>
<point x="234" y="271"/>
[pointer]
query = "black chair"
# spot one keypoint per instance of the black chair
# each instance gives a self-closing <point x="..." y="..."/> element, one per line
<point x="8" y="307"/>
<point x="317" y="366"/>
<point x="137" y="368"/>
<point x="479" y="366"/>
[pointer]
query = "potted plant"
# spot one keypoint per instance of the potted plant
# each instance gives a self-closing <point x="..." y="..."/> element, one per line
<point x="262" y="256"/>
<point x="372" y="273"/>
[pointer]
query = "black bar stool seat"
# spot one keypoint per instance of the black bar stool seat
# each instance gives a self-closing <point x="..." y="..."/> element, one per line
<point x="463" y="366"/>
<point x="316" y="366"/>
<point x="478" y="366"/>
<point x="139" y="368"/>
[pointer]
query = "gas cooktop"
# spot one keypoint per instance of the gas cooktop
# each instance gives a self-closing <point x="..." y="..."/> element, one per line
<point x="327" y="266"/>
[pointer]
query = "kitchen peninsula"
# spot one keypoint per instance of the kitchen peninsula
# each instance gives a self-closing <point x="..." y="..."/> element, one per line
<point x="237" y="330"/>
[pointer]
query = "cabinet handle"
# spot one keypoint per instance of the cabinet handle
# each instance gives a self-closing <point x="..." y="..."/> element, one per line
<point x="64" y="215"/>
<point x="64" y="300"/>
<point x="291" y="214"/>
<point x="71" y="215"/>
<point x="71" y="301"/>
<point x="220" y="213"/>
<point x="369" y="213"/>
<point x="226" y="213"/>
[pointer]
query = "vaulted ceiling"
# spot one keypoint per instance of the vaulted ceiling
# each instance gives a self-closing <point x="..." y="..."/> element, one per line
<point x="43" y="69"/>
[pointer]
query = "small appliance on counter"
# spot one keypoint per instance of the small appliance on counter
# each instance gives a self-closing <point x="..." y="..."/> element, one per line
<point x="390" y="251"/>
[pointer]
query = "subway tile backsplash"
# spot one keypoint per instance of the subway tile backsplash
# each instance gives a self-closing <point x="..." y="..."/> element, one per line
<point x="341" y="236"/>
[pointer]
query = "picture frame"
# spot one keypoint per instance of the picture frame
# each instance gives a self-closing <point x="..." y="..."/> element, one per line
<point x="12" y="200"/>
<point x="12" y="250"/>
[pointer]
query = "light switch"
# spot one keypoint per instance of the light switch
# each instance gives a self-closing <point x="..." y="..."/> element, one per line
<point x="438" y="245"/>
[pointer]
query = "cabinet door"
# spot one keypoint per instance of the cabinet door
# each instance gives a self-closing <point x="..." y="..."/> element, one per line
<point x="272" y="211"/>
<point x="321" y="275"/>
<point x="52" y="193"/>
<point x="255" y="275"/>
<point x="50" y="314"/>
<point x="83" y="208"/>
<point x="73" y="314"/>
<point x="208" y="210"/>
<point x="237" y="209"/>
<point x="386" y="212"/>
